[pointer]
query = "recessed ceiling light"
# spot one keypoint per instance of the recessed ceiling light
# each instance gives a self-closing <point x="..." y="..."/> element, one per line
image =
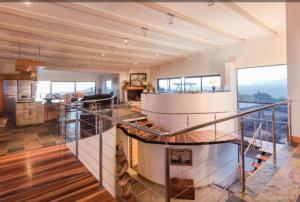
<point x="125" y="41"/>
<point x="102" y="54"/>
<point x="135" y="63"/>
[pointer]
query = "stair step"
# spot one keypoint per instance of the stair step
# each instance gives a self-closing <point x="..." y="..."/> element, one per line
<point x="262" y="157"/>
<point x="256" y="165"/>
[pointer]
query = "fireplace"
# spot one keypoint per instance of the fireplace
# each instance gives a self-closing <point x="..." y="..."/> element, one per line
<point x="134" y="93"/>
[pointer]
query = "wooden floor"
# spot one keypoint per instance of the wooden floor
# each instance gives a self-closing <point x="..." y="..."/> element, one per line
<point x="48" y="174"/>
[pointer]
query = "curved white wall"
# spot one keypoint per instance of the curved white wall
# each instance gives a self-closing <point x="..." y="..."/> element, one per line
<point x="211" y="163"/>
<point x="188" y="103"/>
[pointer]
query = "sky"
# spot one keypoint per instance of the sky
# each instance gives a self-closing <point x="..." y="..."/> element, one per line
<point x="248" y="76"/>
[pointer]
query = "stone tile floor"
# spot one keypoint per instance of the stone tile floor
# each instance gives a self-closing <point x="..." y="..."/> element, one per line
<point x="275" y="181"/>
<point x="18" y="139"/>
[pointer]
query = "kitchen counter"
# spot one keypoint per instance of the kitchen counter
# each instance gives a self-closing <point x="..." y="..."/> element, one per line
<point x="29" y="113"/>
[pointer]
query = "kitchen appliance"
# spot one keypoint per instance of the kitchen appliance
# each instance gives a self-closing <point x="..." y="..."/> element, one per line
<point x="10" y="95"/>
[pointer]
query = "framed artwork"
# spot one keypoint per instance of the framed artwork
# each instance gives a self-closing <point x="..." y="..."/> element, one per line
<point x="181" y="157"/>
<point x="137" y="79"/>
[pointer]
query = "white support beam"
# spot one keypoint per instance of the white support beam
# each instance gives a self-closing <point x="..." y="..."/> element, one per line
<point x="191" y="20"/>
<point x="74" y="62"/>
<point x="252" y="18"/>
<point x="70" y="47"/>
<point x="64" y="36"/>
<point x="90" y="28"/>
<point x="72" y="56"/>
<point x="133" y="22"/>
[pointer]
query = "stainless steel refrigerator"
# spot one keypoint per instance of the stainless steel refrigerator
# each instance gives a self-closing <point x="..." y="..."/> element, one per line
<point x="10" y="95"/>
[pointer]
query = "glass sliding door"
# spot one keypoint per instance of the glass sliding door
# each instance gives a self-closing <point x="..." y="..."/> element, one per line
<point x="63" y="87"/>
<point x="86" y="87"/>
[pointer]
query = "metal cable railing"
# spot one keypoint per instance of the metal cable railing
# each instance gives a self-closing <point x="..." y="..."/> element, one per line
<point x="239" y="118"/>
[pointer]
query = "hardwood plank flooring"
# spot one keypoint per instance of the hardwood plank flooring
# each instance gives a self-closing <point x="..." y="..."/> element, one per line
<point x="47" y="174"/>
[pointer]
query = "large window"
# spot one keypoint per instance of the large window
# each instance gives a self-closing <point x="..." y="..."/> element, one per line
<point x="62" y="87"/>
<point x="170" y="85"/>
<point x="43" y="89"/>
<point x="211" y="83"/>
<point x="189" y="84"/>
<point x="260" y="86"/>
<point x="192" y="84"/>
<point x="108" y="88"/>
<point x="87" y="87"/>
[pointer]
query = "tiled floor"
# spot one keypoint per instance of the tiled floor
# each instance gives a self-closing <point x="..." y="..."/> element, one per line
<point x="279" y="181"/>
<point x="17" y="139"/>
<point x="13" y="139"/>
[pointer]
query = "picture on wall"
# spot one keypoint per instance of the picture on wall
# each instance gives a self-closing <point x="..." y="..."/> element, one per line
<point x="181" y="157"/>
<point x="137" y="79"/>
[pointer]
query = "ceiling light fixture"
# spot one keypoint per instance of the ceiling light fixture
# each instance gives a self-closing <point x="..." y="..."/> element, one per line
<point x="27" y="2"/>
<point x="125" y="41"/>
<point x="144" y="31"/>
<point x="170" y="18"/>
<point x="210" y="3"/>
<point x="135" y="63"/>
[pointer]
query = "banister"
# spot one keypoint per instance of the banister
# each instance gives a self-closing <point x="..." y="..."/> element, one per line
<point x="185" y="130"/>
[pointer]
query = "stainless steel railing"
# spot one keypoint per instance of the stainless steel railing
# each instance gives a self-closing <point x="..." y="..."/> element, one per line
<point x="239" y="116"/>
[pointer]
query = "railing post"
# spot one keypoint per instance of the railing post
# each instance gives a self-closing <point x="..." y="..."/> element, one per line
<point x="187" y="120"/>
<point x="242" y="156"/>
<point x="274" y="134"/>
<point x="117" y="111"/>
<point x="289" y="138"/>
<point x="76" y="133"/>
<point x="130" y="151"/>
<point x="65" y="124"/>
<point x="100" y="155"/>
<point x="112" y="109"/>
<point x="215" y="128"/>
<point x="167" y="173"/>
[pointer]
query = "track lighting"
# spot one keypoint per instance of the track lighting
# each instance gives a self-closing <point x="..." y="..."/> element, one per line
<point x="144" y="31"/>
<point x="170" y="18"/>
<point x="210" y="3"/>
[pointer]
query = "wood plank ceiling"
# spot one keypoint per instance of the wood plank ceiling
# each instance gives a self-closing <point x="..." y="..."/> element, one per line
<point x="119" y="36"/>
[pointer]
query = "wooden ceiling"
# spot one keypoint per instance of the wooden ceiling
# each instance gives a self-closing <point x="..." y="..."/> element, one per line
<point x="92" y="35"/>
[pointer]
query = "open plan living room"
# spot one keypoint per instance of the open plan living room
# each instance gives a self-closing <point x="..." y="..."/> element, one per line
<point x="149" y="101"/>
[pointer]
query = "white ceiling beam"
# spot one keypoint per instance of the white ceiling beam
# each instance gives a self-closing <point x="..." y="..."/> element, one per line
<point x="247" y="15"/>
<point x="83" y="49"/>
<point x="71" y="56"/>
<point x="90" y="28"/>
<point x="81" y="39"/>
<point x="60" y="66"/>
<point x="74" y="61"/>
<point x="191" y="20"/>
<point x="133" y="22"/>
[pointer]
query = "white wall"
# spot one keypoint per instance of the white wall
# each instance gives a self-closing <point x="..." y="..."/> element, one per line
<point x="257" y="52"/>
<point x="89" y="156"/>
<point x="293" y="62"/>
<point x="189" y="103"/>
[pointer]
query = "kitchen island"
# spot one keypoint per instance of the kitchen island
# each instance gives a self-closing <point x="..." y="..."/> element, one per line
<point x="29" y="112"/>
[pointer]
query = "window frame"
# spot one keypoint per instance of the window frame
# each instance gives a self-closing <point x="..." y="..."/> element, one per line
<point x="183" y="90"/>
<point x="169" y="86"/>
<point x="74" y="83"/>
